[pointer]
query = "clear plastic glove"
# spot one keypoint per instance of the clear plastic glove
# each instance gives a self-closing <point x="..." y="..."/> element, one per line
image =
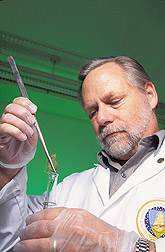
<point x="72" y="230"/>
<point x="75" y="233"/>
<point x="18" y="136"/>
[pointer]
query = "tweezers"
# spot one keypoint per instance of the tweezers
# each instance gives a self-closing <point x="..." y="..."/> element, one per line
<point x="24" y="94"/>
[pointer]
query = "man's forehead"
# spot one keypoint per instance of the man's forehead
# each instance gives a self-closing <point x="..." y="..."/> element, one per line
<point x="106" y="74"/>
<point x="102" y="80"/>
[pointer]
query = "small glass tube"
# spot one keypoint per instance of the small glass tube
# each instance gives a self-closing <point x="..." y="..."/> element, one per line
<point x="49" y="198"/>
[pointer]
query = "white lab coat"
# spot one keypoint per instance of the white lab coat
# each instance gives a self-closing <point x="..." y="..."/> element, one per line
<point x="90" y="190"/>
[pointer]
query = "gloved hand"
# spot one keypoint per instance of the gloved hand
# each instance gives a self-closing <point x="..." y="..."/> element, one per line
<point x="18" y="136"/>
<point x="72" y="230"/>
<point x="85" y="232"/>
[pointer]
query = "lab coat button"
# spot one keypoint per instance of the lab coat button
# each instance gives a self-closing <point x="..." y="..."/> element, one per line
<point x="160" y="160"/>
<point x="123" y="174"/>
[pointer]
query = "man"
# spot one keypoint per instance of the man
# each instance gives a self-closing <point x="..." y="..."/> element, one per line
<point x="108" y="207"/>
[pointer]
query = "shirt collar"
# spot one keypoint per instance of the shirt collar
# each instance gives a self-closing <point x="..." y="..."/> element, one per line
<point x="161" y="136"/>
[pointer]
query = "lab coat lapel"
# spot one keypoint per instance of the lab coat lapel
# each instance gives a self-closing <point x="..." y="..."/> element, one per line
<point x="101" y="180"/>
<point x="148" y="169"/>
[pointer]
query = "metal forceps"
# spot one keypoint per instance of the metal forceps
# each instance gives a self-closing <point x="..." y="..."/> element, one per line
<point x="24" y="94"/>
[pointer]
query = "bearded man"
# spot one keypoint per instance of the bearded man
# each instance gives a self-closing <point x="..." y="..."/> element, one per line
<point x="116" y="206"/>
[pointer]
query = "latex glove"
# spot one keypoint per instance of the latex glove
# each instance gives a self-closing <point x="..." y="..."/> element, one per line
<point x="73" y="230"/>
<point x="18" y="136"/>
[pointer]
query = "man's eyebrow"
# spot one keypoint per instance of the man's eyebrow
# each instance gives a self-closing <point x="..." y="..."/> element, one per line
<point x="106" y="97"/>
<point x="88" y="107"/>
<point x="109" y="96"/>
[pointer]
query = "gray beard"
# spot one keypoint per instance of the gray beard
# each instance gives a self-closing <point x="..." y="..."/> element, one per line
<point x="120" y="145"/>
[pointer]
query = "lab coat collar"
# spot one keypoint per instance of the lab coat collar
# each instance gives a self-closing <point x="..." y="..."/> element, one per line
<point x="145" y="171"/>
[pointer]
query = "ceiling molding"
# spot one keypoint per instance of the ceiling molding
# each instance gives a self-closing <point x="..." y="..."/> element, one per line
<point x="41" y="66"/>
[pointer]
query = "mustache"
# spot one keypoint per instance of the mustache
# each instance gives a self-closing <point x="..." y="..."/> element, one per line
<point x="108" y="130"/>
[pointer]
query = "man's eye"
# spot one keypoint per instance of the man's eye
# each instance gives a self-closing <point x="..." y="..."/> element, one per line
<point x="91" y="114"/>
<point x="116" y="102"/>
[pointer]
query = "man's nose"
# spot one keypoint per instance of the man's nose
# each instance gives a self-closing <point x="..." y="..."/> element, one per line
<point x="105" y="115"/>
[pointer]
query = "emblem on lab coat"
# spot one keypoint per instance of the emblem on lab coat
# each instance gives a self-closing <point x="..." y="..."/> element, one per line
<point x="151" y="220"/>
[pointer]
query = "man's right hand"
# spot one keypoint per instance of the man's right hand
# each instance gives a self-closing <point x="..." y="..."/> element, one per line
<point x="18" y="136"/>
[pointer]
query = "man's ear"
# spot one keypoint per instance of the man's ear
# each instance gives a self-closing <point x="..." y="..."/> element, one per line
<point x="151" y="94"/>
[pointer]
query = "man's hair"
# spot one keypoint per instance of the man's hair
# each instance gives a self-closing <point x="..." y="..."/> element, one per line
<point x="136" y="74"/>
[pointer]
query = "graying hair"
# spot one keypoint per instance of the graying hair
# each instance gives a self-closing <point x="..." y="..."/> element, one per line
<point x="136" y="74"/>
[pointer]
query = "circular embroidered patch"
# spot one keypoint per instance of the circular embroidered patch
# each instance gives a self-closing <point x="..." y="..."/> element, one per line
<point x="151" y="220"/>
